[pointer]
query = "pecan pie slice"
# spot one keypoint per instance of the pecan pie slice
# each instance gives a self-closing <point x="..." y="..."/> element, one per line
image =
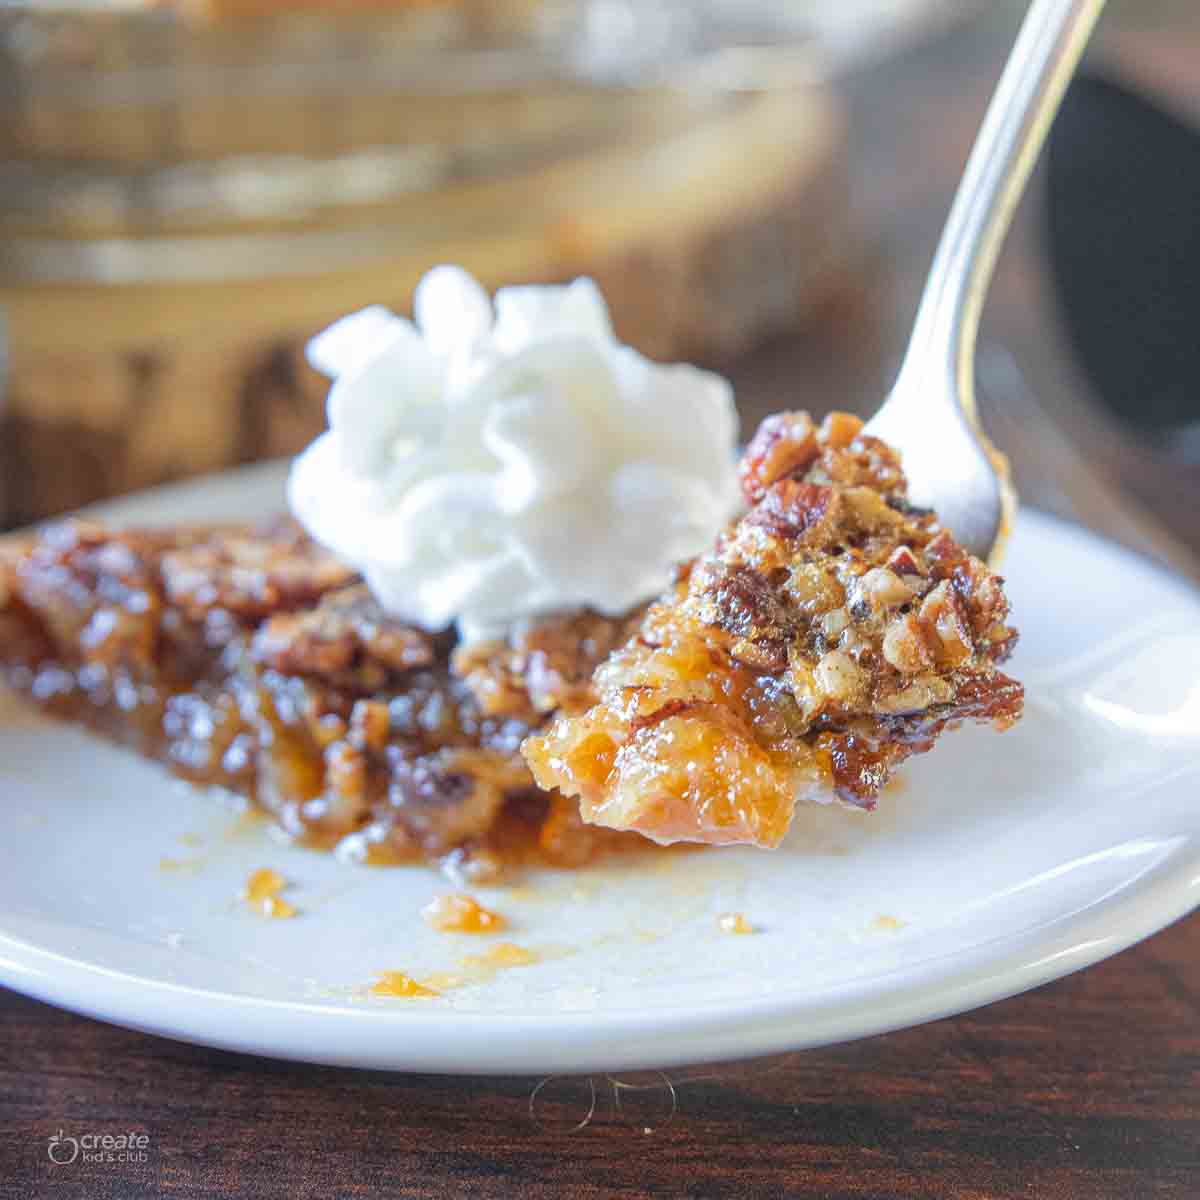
<point x="252" y="659"/>
<point x="834" y="631"/>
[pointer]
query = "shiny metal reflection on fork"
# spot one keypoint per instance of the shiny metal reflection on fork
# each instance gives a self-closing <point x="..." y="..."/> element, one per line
<point x="930" y="414"/>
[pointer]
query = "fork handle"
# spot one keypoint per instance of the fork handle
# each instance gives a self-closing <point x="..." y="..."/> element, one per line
<point x="1050" y="43"/>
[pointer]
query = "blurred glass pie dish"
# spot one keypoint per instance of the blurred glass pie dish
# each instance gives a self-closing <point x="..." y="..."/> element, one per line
<point x="129" y="115"/>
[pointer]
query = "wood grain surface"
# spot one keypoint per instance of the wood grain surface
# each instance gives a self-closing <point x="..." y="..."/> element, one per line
<point x="1082" y="1090"/>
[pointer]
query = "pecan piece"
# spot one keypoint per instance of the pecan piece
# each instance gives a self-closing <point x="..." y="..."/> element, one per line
<point x="347" y="636"/>
<point x="784" y="444"/>
<point x="251" y="574"/>
<point x="790" y="509"/>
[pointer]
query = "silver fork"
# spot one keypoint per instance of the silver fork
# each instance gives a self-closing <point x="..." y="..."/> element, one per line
<point x="929" y="415"/>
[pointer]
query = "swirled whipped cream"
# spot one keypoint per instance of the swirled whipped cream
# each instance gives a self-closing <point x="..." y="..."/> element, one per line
<point x="485" y="463"/>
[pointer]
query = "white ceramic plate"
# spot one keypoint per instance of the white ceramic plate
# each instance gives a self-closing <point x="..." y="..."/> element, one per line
<point x="1000" y="862"/>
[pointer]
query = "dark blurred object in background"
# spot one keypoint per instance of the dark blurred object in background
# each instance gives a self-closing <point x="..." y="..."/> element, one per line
<point x="1123" y="206"/>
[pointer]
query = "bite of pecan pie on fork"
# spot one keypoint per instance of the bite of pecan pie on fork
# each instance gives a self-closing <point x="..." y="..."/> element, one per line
<point x="834" y="631"/>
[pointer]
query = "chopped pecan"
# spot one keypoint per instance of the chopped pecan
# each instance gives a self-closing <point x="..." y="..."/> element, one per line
<point x="839" y="429"/>
<point x="737" y="599"/>
<point x="945" y="624"/>
<point x="904" y="562"/>
<point x="250" y="574"/>
<point x="95" y="592"/>
<point x="790" y="509"/>
<point x="840" y="678"/>
<point x="450" y="796"/>
<point x="884" y="589"/>
<point x="783" y="445"/>
<point x="546" y="663"/>
<point x="370" y="724"/>
<point x="944" y="553"/>
<point x="347" y="637"/>
<point x="904" y="646"/>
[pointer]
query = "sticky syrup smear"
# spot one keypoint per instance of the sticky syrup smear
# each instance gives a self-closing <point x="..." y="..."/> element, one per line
<point x="473" y="968"/>
<point x="262" y="893"/>
<point x="734" y="922"/>
<point x="461" y="914"/>
<point x="482" y="968"/>
<point x="183" y="866"/>
<point x="247" y="823"/>
<point x="506" y="954"/>
<point x="397" y="984"/>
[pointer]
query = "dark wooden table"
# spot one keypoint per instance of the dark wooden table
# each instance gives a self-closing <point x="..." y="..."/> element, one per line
<point x="1086" y="1088"/>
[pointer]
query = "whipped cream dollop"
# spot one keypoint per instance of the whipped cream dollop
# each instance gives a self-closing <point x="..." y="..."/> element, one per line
<point x="486" y="463"/>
